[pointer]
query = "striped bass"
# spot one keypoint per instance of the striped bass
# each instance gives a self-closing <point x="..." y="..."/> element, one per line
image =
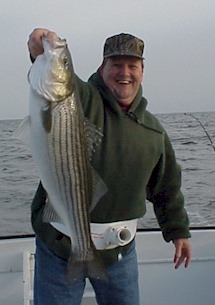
<point x="61" y="143"/>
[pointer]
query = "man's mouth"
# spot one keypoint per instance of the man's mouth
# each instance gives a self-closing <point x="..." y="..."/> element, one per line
<point x="124" y="82"/>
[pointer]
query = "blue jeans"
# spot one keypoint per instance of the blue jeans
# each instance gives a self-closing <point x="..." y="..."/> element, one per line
<point x="51" y="285"/>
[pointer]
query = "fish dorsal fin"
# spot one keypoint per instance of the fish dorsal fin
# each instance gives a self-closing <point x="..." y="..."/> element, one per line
<point x="99" y="189"/>
<point x="93" y="135"/>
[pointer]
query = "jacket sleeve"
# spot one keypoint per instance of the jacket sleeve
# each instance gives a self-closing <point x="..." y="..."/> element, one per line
<point x="164" y="191"/>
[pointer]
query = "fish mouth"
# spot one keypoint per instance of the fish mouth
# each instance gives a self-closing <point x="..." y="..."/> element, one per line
<point x="59" y="44"/>
<point x="55" y="44"/>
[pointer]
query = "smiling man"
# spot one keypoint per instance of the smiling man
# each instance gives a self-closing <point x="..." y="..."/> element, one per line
<point x="136" y="161"/>
<point x="122" y="68"/>
<point x="123" y="76"/>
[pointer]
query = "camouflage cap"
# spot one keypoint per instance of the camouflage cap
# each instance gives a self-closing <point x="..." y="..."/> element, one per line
<point x="123" y="45"/>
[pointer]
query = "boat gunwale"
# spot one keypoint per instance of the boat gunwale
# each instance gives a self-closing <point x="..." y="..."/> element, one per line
<point x="139" y="230"/>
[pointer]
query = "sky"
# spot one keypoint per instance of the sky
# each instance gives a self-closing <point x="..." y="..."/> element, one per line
<point x="179" y="47"/>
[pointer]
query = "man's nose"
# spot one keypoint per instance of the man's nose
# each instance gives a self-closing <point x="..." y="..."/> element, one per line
<point x="125" y="70"/>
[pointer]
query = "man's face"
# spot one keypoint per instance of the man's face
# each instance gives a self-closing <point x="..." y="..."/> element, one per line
<point x="123" y="76"/>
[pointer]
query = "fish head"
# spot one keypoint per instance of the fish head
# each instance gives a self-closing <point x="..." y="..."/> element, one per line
<point x="52" y="74"/>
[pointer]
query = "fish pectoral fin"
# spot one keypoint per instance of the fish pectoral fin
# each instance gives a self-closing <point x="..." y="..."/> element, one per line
<point x="99" y="189"/>
<point x="22" y="132"/>
<point x="46" y="117"/>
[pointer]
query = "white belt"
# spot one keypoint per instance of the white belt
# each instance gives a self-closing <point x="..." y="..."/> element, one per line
<point x="114" y="234"/>
<point x="108" y="235"/>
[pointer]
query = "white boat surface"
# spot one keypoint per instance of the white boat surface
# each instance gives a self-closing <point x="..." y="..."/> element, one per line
<point x="160" y="283"/>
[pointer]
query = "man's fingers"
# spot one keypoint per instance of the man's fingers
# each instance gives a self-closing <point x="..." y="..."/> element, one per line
<point x="34" y="43"/>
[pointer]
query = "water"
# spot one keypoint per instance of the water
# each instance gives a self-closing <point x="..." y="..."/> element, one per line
<point x="194" y="152"/>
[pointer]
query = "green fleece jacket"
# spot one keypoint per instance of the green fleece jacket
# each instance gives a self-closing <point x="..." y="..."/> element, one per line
<point x="136" y="161"/>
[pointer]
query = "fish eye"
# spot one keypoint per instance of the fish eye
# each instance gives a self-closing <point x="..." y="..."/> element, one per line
<point x="65" y="61"/>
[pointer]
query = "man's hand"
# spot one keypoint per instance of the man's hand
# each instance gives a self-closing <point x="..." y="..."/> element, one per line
<point x="182" y="252"/>
<point x="35" y="46"/>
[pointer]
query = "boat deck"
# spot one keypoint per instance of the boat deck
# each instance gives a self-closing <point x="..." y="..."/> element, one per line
<point x="160" y="283"/>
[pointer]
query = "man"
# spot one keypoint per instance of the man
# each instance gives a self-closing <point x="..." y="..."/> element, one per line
<point x="136" y="161"/>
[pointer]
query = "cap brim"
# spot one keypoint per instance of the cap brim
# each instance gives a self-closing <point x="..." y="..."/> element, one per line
<point x="131" y="54"/>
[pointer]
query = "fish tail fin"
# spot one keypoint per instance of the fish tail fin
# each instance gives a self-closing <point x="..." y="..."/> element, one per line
<point x="74" y="269"/>
<point x="92" y="267"/>
<point x="96" y="268"/>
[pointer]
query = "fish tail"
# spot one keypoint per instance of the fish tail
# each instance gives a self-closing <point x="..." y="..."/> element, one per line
<point x="92" y="267"/>
<point x="96" y="268"/>
<point x="75" y="269"/>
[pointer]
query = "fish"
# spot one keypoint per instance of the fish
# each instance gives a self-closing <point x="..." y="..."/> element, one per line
<point x="62" y="142"/>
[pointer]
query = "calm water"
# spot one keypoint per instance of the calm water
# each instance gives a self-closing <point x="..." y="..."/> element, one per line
<point x="195" y="154"/>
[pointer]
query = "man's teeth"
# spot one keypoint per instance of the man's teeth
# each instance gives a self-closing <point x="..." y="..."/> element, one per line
<point x="123" y="82"/>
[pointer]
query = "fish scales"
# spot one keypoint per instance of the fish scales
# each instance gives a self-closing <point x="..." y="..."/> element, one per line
<point x="72" y="172"/>
<point x="81" y="172"/>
